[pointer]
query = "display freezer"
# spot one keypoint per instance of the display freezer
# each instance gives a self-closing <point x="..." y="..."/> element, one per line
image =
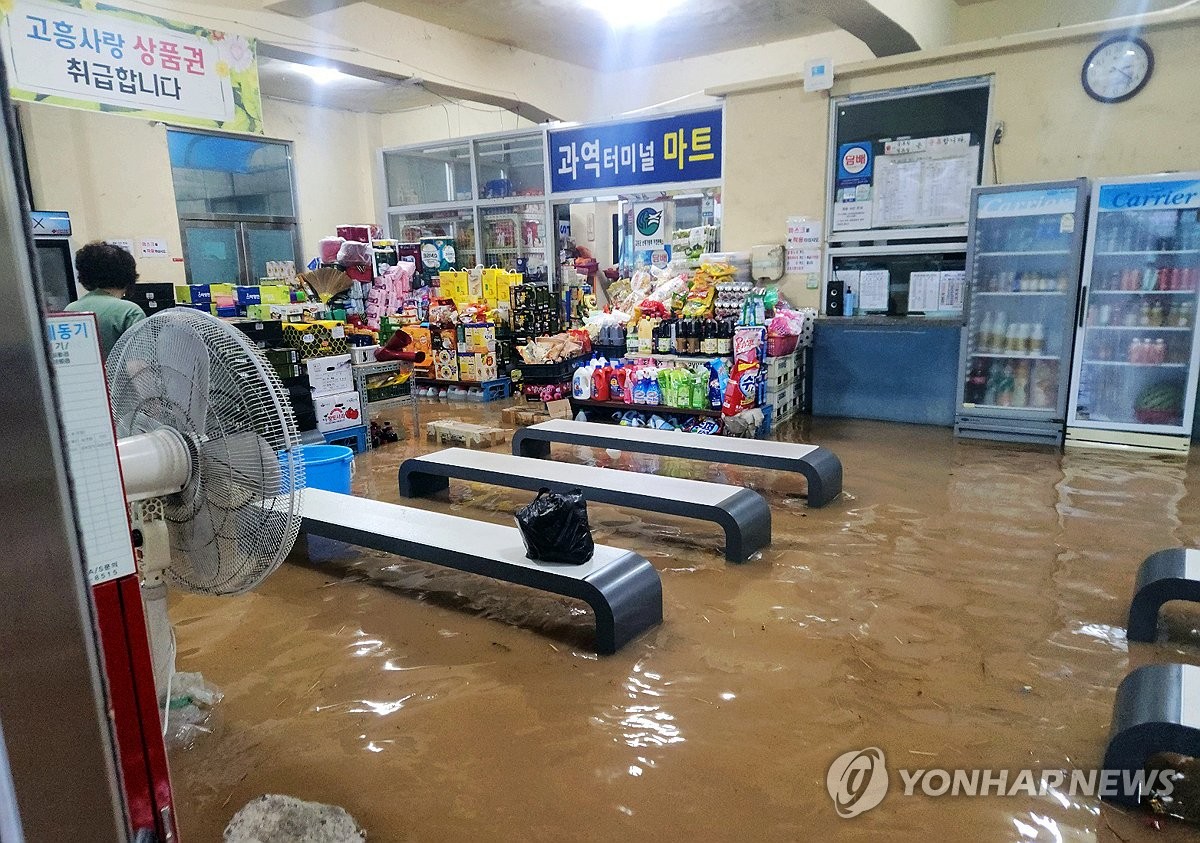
<point x="1136" y="348"/>
<point x="1025" y="245"/>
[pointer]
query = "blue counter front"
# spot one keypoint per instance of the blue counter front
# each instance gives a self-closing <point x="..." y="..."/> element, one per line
<point x="894" y="369"/>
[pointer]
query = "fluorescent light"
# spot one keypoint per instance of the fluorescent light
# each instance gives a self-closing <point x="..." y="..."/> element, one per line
<point x="622" y="14"/>
<point x="320" y="74"/>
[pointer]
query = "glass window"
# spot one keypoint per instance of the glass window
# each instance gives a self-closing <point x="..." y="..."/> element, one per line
<point x="510" y="167"/>
<point x="215" y="174"/>
<point x="458" y="223"/>
<point x="433" y="174"/>
<point x="514" y="231"/>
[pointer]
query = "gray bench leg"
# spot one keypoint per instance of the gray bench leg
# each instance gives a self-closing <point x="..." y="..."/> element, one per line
<point x="746" y="519"/>
<point x="1146" y="720"/>
<point x="626" y="598"/>
<point x="416" y="484"/>
<point x="524" y="445"/>
<point x="1162" y="577"/>
<point x="823" y="470"/>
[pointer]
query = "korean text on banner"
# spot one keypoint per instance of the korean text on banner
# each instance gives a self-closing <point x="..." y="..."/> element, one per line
<point x="106" y="59"/>
<point x="664" y="150"/>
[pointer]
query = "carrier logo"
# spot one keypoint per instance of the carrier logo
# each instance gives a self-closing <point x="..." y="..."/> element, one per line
<point x="649" y="221"/>
<point x="855" y="160"/>
<point x="857" y="781"/>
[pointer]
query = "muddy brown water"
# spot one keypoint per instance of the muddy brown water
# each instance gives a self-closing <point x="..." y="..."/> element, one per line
<point x="962" y="605"/>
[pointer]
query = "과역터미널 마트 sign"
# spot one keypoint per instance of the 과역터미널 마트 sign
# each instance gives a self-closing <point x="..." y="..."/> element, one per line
<point x="661" y="150"/>
<point x="96" y="57"/>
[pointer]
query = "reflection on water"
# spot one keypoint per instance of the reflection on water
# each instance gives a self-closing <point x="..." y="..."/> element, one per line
<point x="961" y="607"/>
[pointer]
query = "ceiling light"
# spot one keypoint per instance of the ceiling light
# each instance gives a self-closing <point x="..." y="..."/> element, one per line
<point x="622" y="14"/>
<point x="320" y="74"/>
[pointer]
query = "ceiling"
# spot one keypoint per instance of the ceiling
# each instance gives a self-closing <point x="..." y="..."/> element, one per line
<point x="285" y="80"/>
<point x="570" y="31"/>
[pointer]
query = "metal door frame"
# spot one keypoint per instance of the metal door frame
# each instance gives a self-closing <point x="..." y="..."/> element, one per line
<point x="58" y="748"/>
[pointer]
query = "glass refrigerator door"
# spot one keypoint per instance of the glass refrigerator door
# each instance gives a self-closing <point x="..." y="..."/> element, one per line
<point x="1024" y="278"/>
<point x="1136" y="354"/>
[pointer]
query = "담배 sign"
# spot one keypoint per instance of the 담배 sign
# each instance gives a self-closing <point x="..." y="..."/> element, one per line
<point x="663" y="150"/>
<point x="853" y="186"/>
<point x="96" y="57"/>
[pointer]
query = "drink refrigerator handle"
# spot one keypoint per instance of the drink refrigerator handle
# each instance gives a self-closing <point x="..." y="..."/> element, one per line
<point x="1081" y="314"/>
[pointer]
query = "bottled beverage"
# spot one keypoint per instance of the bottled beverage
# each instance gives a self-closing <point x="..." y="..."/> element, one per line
<point x="1020" y="395"/>
<point x="1156" y="314"/>
<point x="725" y="338"/>
<point x="662" y="339"/>
<point x="1144" y="314"/>
<point x="1160" y="351"/>
<point x="631" y="342"/>
<point x="976" y="387"/>
<point x="1137" y="350"/>
<point x="1013" y="338"/>
<point x="1184" y="319"/>
<point x="992" y="394"/>
<point x="1004" y="390"/>
<point x="983" y="337"/>
<point x="1037" y="340"/>
<point x="999" y="333"/>
<point x="709" y="345"/>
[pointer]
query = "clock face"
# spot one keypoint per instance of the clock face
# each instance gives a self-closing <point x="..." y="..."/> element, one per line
<point x="1117" y="69"/>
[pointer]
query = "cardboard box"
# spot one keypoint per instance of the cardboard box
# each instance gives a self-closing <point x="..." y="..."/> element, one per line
<point x="560" y="409"/>
<point x="264" y="334"/>
<point x="247" y="296"/>
<point x="521" y="417"/>
<point x="478" y="338"/>
<point x="274" y="294"/>
<point x="422" y="340"/>
<point x="477" y="368"/>
<point x="337" y="412"/>
<point x="330" y="375"/>
<point x="195" y="294"/>
<point x="259" y="312"/>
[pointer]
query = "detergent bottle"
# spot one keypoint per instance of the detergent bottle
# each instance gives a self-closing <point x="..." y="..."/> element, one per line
<point x="581" y="384"/>
<point x="616" y="383"/>
<point x="627" y="388"/>
<point x="600" y="376"/>
<point x="653" y="392"/>
<point x="639" y="386"/>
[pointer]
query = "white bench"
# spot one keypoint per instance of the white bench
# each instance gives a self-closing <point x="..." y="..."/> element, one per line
<point x="820" y="466"/>
<point x="742" y="513"/>
<point x="622" y="588"/>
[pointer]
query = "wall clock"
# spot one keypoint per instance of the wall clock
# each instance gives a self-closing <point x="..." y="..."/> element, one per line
<point x="1117" y="68"/>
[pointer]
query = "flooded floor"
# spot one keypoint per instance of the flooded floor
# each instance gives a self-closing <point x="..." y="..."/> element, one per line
<point x="962" y="605"/>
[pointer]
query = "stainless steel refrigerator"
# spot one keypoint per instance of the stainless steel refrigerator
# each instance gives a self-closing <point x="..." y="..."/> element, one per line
<point x="1025" y="246"/>
<point x="1136" y="349"/>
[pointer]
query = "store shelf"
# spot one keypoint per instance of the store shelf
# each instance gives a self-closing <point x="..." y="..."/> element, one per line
<point x="1006" y="356"/>
<point x="513" y="250"/>
<point x="1022" y="293"/>
<point x="1153" y="252"/>
<point x="677" y="358"/>
<point x="399" y="401"/>
<point x="1136" y="365"/>
<point x="1143" y="292"/>
<point x="1137" y="328"/>
<point x="1021" y="254"/>
<point x="1007" y="407"/>
<point x="642" y="408"/>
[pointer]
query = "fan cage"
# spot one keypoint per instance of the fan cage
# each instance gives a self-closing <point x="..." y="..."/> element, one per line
<point x="239" y="515"/>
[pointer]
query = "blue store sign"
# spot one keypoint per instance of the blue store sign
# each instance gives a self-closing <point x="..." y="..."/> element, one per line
<point x="663" y="150"/>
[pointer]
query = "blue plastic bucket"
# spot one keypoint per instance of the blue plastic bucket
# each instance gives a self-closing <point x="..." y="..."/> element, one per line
<point x="328" y="467"/>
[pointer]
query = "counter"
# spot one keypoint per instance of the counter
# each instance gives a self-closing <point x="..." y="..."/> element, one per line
<point x="892" y="368"/>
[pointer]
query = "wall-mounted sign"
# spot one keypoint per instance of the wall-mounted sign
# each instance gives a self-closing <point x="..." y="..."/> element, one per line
<point x="101" y="58"/>
<point x="153" y="248"/>
<point x="662" y="150"/>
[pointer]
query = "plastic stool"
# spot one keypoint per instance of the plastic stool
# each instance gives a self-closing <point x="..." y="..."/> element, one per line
<point x="353" y="437"/>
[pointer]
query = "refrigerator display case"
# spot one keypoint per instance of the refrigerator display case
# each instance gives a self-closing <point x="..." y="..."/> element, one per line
<point x="1025" y="246"/>
<point x="1136" y="349"/>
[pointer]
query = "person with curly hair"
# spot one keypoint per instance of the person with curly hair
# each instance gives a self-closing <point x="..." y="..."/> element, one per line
<point x="107" y="272"/>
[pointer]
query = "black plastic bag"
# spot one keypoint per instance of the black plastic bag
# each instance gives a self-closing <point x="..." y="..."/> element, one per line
<point x="555" y="528"/>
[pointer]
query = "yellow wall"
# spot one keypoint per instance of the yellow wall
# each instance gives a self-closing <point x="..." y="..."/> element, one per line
<point x="113" y="174"/>
<point x="776" y="156"/>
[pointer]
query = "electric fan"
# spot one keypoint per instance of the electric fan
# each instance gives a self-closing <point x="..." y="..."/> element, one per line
<point x="211" y="461"/>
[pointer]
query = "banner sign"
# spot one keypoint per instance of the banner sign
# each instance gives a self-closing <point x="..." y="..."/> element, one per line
<point x="88" y="55"/>
<point x="1150" y="195"/>
<point x="1026" y="203"/>
<point x="663" y="150"/>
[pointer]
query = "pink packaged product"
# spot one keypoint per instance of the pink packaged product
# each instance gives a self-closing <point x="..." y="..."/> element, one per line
<point x="353" y="251"/>
<point x="749" y="344"/>
<point x="360" y="233"/>
<point x="328" y="248"/>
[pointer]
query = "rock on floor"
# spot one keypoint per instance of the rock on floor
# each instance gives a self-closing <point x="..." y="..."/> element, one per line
<point x="284" y="819"/>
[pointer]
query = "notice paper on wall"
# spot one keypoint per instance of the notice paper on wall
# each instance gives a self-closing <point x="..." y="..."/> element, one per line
<point x="925" y="185"/>
<point x="87" y="425"/>
<point x="950" y="289"/>
<point x="873" y="289"/>
<point x="924" y="289"/>
<point x="153" y="248"/>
